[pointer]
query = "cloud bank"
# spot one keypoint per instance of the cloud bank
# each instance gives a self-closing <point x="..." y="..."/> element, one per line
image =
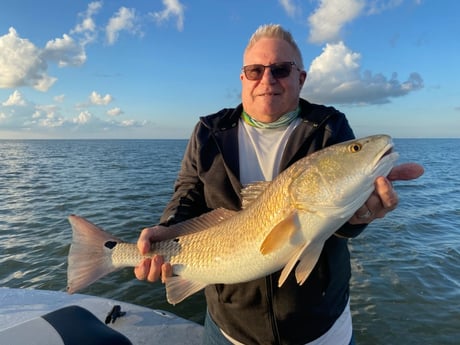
<point x="336" y="77"/>
<point x="22" y="63"/>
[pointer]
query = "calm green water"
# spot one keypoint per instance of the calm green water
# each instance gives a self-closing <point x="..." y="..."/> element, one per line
<point x="406" y="268"/>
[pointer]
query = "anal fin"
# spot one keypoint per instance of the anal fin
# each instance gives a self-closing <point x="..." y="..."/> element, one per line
<point x="307" y="257"/>
<point x="307" y="262"/>
<point x="290" y="265"/>
<point x="178" y="288"/>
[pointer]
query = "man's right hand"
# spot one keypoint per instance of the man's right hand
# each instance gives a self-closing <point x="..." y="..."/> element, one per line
<point x="151" y="269"/>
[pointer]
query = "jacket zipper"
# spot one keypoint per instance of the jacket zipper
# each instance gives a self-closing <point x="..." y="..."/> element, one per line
<point x="271" y="310"/>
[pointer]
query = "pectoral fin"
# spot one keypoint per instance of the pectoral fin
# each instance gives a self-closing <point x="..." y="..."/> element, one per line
<point x="178" y="289"/>
<point x="280" y="234"/>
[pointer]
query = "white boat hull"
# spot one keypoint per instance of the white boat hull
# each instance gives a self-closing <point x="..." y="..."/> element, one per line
<point x="141" y="325"/>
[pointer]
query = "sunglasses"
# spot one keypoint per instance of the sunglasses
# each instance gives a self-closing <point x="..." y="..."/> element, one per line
<point x="278" y="70"/>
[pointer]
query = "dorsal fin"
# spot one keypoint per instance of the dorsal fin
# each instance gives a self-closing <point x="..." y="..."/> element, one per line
<point x="252" y="191"/>
<point x="187" y="227"/>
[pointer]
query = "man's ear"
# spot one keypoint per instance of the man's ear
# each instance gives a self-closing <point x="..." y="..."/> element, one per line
<point x="302" y="78"/>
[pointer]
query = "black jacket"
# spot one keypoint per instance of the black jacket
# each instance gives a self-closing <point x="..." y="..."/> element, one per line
<point x="258" y="312"/>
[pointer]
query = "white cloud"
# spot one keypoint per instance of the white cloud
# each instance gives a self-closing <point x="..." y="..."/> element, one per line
<point x="123" y="20"/>
<point x="87" y="28"/>
<point x="329" y="18"/>
<point x="288" y="7"/>
<point x="172" y="8"/>
<point x="46" y="116"/>
<point x="335" y="77"/>
<point x="65" y="52"/>
<point x="114" y="112"/>
<point x="82" y="118"/>
<point x="87" y="24"/>
<point x="16" y="111"/>
<point x="378" y="6"/>
<point x="129" y="123"/>
<point x="59" y="98"/>
<point x="14" y="99"/>
<point x="22" y="64"/>
<point x="52" y="120"/>
<point x="98" y="99"/>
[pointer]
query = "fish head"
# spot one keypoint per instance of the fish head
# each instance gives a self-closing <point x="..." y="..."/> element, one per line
<point x="338" y="179"/>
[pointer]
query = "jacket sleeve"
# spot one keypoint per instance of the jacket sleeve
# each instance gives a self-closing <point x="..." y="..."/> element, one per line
<point x="350" y="230"/>
<point x="187" y="200"/>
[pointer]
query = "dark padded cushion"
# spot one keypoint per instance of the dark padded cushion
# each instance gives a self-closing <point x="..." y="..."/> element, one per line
<point x="78" y="326"/>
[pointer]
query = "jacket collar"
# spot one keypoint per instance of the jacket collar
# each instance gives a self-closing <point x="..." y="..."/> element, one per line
<point x="223" y="120"/>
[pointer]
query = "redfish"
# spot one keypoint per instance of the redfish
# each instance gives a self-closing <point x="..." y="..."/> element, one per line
<point x="283" y="225"/>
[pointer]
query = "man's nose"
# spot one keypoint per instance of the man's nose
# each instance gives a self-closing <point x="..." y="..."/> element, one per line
<point x="267" y="76"/>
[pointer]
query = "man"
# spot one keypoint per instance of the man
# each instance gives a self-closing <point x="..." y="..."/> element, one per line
<point x="270" y="130"/>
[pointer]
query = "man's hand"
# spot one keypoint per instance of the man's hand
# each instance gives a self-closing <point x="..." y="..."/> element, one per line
<point x="384" y="199"/>
<point x="151" y="269"/>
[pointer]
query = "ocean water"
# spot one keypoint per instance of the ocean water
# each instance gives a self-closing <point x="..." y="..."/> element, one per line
<point x="406" y="267"/>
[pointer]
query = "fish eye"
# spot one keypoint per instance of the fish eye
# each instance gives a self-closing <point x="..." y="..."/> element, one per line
<point x="355" y="147"/>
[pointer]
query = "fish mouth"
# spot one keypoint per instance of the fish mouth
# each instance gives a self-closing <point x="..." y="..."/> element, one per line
<point x="385" y="160"/>
<point x="388" y="150"/>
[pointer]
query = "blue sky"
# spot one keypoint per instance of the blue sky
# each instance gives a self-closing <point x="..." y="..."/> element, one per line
<point x="150" y="68"/>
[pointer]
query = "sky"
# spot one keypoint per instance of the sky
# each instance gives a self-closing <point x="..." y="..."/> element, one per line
<point x="148" y="69"/>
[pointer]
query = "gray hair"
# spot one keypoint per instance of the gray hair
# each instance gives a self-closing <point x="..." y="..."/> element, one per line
<point x="275" y="31"/>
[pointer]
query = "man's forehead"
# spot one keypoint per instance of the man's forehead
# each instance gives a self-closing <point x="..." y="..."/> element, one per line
<point x="269" y="50"/>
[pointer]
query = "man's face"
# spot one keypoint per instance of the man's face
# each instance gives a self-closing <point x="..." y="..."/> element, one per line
<point x="269" y="98"/>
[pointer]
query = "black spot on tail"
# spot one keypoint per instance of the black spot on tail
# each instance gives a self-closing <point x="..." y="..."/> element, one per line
<point x="110" y="244"/>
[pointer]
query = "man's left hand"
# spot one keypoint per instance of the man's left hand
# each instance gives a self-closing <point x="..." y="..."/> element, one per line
<point x="384" y="199"/>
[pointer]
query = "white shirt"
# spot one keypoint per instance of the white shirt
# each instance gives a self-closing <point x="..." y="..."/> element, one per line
<point x="261" y="150"/>
<point x="339" y="334"/>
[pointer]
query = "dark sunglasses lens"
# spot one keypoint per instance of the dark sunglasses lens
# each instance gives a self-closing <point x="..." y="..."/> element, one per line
<point x="254" y="72"/>
<point x="278" y="70"/>
<point x="281" y="70"/>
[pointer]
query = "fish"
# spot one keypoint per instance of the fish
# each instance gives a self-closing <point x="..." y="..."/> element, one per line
<point x="283" y="225"/>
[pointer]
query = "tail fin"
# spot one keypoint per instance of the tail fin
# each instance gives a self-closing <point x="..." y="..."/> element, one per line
<point x="89" y="255"/>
